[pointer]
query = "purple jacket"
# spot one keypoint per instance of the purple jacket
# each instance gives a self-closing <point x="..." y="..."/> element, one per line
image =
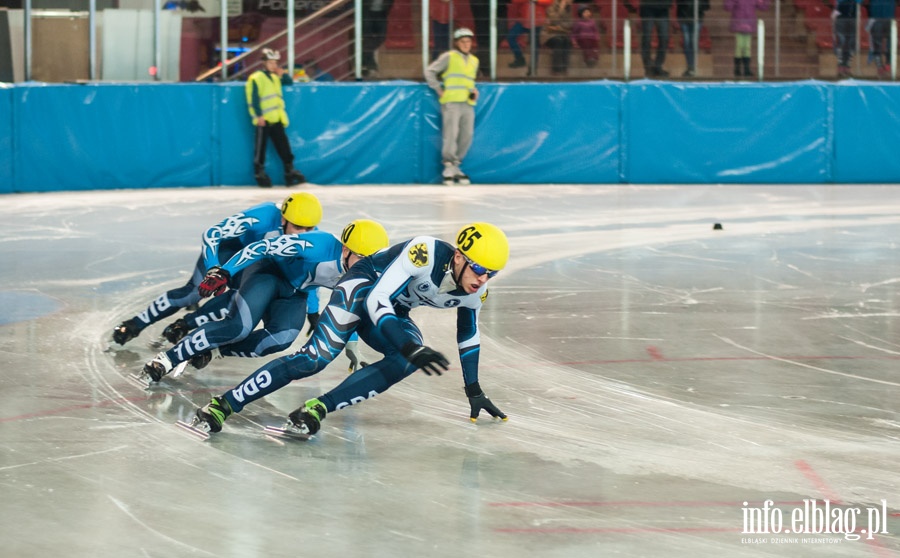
<point x="743" y="14"/>
<point x="585" y="29"/>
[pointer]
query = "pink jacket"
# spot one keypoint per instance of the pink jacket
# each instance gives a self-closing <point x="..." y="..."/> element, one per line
<point x="743" y="14"/>
<point x="585" y="30"/>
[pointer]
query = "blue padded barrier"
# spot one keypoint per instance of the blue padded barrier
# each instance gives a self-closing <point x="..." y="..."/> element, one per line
<point x="6" y="139"/>
<point x="102" y="136"/>
<point x="726" y="133"/>
<point x="867" y="132"/>
<point x="543" y="133"/>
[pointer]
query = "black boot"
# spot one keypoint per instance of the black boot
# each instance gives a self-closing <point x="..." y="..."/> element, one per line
<point x="737" y="67"/>
<point x="746" y="62"/>
<point x="519" y="62"/>
<point x="292" y="176"/>
<point x="262" y="179"/>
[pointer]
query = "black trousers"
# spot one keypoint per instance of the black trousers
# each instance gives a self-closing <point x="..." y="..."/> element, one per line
<point x="560" y="45"/>
<point x="279" y="138"/>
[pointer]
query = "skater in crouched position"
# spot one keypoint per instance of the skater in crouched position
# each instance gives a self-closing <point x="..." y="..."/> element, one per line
<point x="299" y="212"/>
<point x="274" y="288"/>
<point x="266" y="105"/>
<point x="374" y="299"/>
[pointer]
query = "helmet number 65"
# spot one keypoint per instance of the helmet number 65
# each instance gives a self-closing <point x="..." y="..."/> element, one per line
<point x="467" y="237"/>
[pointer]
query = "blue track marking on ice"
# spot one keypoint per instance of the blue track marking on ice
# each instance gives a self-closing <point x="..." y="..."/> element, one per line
<point x="19" y="306"/>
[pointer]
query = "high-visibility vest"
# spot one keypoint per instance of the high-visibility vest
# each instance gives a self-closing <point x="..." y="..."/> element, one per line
<point x="271" y="102"/>
<point x="459" y="78"/>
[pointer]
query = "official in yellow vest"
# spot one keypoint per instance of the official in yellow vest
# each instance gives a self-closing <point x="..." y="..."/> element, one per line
<point x="452" y="76"/>
<point x="266" y="105"/>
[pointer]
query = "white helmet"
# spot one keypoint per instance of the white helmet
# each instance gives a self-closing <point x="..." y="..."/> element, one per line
<point x="462" y="32"/>
<point x="270" y="54"/>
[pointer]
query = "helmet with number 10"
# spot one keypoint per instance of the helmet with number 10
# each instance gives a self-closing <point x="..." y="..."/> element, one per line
<point x="302" y="209"/>
<point x="364" y="237"/>
<point x="485" y="245"/>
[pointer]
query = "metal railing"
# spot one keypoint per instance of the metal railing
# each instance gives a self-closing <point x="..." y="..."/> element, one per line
<point x="250" y="61"/>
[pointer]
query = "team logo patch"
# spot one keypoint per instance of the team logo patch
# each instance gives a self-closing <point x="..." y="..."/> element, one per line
<point x="418" y="255"/>
<point x="484" y="296"/>
<point x="423" y="287"/>
<point x="451" y="303"/>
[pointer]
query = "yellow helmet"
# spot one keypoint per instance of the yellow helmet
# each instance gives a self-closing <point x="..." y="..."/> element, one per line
<point x="484" y="244"/>
<point x="302" y="209"/>
<point x="364" y="237"/>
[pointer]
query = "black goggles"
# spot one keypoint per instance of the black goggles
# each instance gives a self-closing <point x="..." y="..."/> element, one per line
<point x="480" y="269"/>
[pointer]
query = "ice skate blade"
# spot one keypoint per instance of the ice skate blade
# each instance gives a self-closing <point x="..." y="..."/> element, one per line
<point x="287" y="433"/>
<point x="193" y="430"/>
<point x="139" y="380"/>
<point x="178" y="370"/>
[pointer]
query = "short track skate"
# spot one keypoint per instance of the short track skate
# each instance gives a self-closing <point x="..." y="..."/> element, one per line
<point x="289" y="431"/>
<point x="197" y="428"/>
<point x="144" y="382"/>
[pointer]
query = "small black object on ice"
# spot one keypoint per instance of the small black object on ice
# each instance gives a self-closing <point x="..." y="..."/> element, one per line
<point x="717" y="227"/>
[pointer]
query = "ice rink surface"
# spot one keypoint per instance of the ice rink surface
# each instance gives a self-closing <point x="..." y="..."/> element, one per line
<point x="663" y="380"/>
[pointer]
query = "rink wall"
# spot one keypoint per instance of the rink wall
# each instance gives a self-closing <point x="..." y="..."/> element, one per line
<point x="103" y="136"/>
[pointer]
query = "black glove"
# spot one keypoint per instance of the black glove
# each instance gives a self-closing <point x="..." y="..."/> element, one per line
<point x="215" y="282"/>
<point x="313" y="319"/>
<point x="478" y="401"/>
<point x="429" y="360"/>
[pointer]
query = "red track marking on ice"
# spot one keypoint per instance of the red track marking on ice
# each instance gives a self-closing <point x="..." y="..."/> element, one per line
<point x="823" y="488"/>
<point x="655" y="353"/>
<point x="816" y="481"/>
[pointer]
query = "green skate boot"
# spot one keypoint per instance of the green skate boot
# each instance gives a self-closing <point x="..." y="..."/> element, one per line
<point x="213" y="414"/>
<point x="308" y="418"/>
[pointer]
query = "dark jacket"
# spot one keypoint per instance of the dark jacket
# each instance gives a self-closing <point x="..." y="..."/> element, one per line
<point x="684" y="9"/>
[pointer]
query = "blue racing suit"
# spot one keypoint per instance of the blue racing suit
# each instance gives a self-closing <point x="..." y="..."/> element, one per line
<point x="277" y="275"/>
<point x="374" y="299"/>
<point x="220" y="242"/>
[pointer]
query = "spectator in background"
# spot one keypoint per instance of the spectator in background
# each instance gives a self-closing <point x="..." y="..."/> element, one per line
<point x="844" y="18"/>
<point x="481" y="15"/>
<point x="452" y="77"/>
<point x="558" y="34"/>
<point x="374" y="31"/>
<point x="300" y="75"/>
<point x="317" y="73"/>
<point x="654" y="14"/>
<point x="690" y="33"/>
<point x="881" y="12"/>
<point x="520" y="23"/>
<point x="743" y="24"/>
<point x="439" y="11"/>
<point x="587" y="36"/>
<point x="266" y="106"/>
